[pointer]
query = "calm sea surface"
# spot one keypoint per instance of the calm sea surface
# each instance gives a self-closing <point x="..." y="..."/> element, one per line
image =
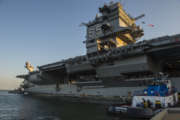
<point x="18" y="107"/>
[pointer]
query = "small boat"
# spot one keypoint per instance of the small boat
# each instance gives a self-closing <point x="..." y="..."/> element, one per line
<point x="130" y="112"/>
<point x="157" y="96"/>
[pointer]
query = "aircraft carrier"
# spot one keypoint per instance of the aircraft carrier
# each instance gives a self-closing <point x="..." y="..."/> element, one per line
<point x="115" y="64"/>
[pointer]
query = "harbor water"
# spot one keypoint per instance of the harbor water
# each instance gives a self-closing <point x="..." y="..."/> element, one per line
<point x="18" y="107"/>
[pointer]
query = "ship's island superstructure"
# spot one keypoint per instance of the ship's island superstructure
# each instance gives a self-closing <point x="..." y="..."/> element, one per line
<point x="115" y="64"/>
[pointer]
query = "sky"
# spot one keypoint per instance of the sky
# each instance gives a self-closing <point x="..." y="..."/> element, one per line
<point x="45" y="31"/>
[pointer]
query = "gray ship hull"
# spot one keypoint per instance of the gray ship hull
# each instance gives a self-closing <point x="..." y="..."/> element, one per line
<point x="93" y="94"/>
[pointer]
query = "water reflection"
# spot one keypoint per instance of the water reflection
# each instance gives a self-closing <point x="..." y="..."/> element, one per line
<point x="17" y="107"/>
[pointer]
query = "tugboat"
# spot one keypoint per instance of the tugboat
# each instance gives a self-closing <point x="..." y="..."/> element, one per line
<point x="145" y="104"/>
